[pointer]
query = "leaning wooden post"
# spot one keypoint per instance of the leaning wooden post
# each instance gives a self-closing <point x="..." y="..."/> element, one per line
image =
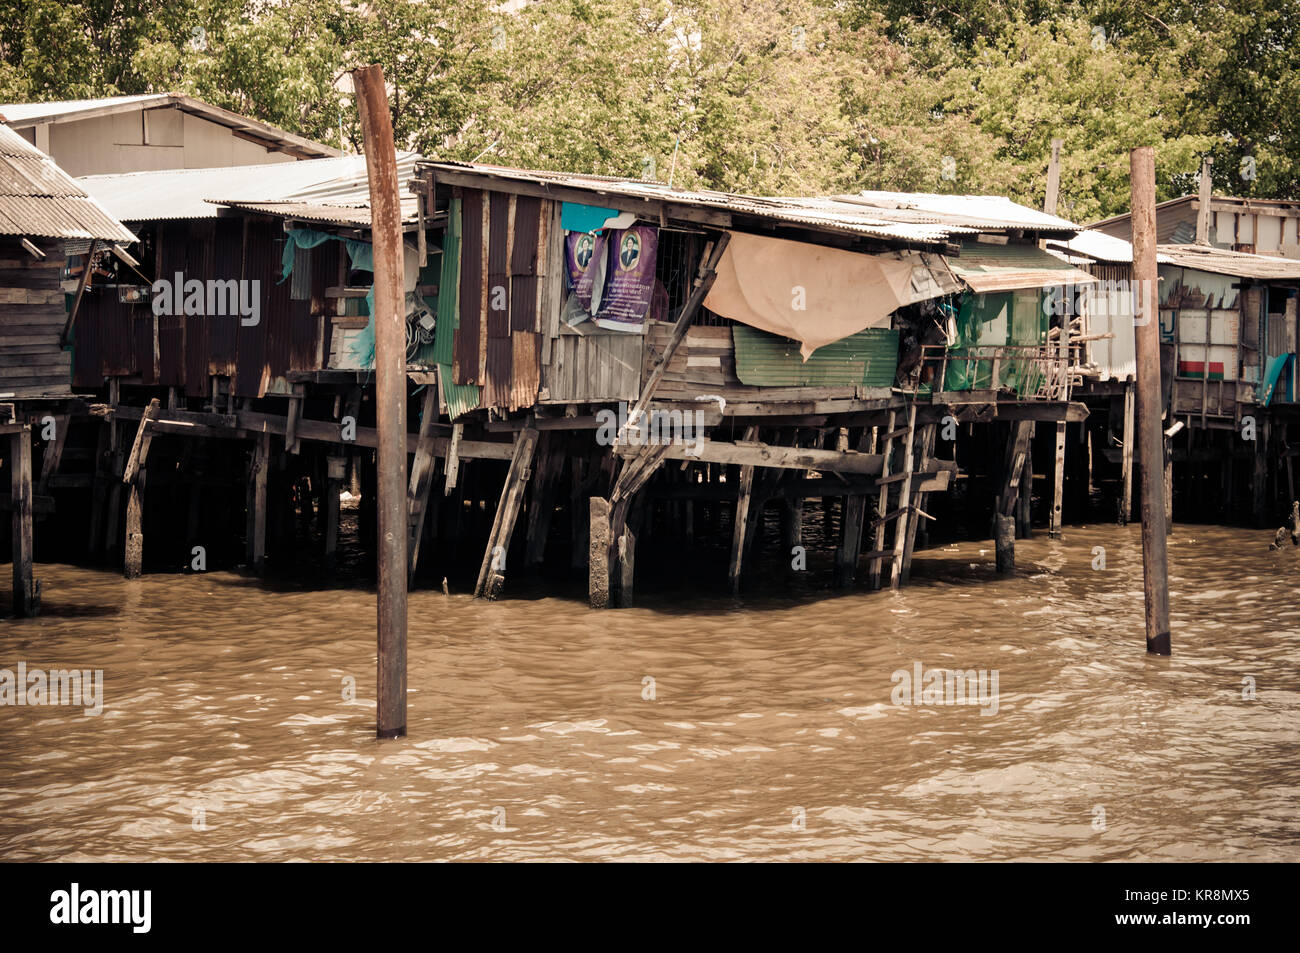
<point x="134" y="477"/>
<point x="1155" y="565"/>
<point x="390" y="396"/>
<point x="26" y="589"/>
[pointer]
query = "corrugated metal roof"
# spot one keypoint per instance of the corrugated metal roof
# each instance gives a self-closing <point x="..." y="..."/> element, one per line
<point x="988" y="267"/>
<point x="22" y="115"/>
<point x="326" y="190"/>
<point x="979" y="212"/>
<point x="38" y="198"/>
<point x="1095" y="245"/>
<point x="869" y="214"/>
<point x="1223" y="262"/>
<point x="866" y="359"/>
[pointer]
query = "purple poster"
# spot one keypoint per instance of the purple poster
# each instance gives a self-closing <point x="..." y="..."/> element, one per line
<point x="630" y="278"/>
<point x="584" y="256"/>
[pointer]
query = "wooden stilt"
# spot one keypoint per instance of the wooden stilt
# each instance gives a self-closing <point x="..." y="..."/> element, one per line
<point x="453" y="459"/>
<point x="1005" y="543"/>
<point x="882" y="502"/>
<point x="921" y="498"/>
<point x="98" y="491"/>
<point x="27" y="598"/>
<point x="598" y="554"/>
<point x="291" y="442"/>
<point x="741" y="521"/>
<point x="542" y="506"/>
<point x="53" y="455"/>
<point x="1058" y="482"/>
<point x="257" y="477"/>
<point x="855" y="509"/>
<point x="134" y="477"/>
<point x="421" y="480"/>
<point x="491" y="576"/>
<point x="905" y="506"/>
<point x="1126" y="467"/>
<point x="335" y="468"/>
<point x="117" y="464"/>
<point x="626" y="567"/>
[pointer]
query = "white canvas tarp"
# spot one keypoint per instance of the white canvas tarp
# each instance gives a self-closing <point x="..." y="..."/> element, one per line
<point x="810" y="293"/>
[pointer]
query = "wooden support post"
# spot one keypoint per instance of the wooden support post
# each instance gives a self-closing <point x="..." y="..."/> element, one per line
<point x="390" y="395"/>
<point x="1058" y="482"/>
<point x="741" y="521"/>
<point x="259" y="464"/>
<point x="542" y="506"/>
<point x="626" y="568"/>
<point x="291" y="441"/>
<point x="904" y="504"/>
<point x="1149" y="403"/>
<point x="1126" y="467"/>
<point x="1004" y="540"/>
<point x="491" y="576"/>
<point x="598" y="554"/>
<point x="922" y="497"/>
<point x="98" y="491"/>
<point x="27" y="597"/>
<point x="335" y="467"/>
<point x="882" y="502"/>
<point x="53" y="455"/>
<point x="851" y="525"/>
<point x="422" y="467"/>
<point x="1025" y="498"/>
<point x="453" y="459"/>
<point x="1053" y="178"/>
<point x="134" y="477"/>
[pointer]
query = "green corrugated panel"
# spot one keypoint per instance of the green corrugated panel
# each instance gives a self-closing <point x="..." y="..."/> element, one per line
<point x="459" y="398"/>
<point x="867" y="359"/>
<point x="448" y="288"/>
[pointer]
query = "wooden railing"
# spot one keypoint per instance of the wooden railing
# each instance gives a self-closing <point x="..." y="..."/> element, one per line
<point x="1031" y="372"/>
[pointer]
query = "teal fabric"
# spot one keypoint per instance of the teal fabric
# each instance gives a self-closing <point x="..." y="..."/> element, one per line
<point x="1275" y="368"/>
<point x="584" y="218"/>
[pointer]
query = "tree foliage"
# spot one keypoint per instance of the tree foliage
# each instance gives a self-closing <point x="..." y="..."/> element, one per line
<point x="754" y="96"/>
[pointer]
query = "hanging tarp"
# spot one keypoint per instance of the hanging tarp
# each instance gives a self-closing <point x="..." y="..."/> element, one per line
<point x="989" y="267"/>
<point x="807" y="292"/>
<point x="629" y="279"/>
<point x="575" y="217"/>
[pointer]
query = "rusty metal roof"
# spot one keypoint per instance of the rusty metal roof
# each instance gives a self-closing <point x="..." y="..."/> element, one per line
<point x="24" y="115"/>
<point x="907" y="218"/>
<point x="38" y="198"/>
<point x="1223" y="262"/>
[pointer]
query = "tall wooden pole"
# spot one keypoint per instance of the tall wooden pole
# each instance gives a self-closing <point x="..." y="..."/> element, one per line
<point x="390" y="396"/>
<point x="1155" y="560"/>
<point x="1053" y="178"/>
<point x="1203" y="212"/>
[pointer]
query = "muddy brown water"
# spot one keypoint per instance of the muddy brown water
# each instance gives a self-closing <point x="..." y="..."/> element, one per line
<point x="770" y="733"/>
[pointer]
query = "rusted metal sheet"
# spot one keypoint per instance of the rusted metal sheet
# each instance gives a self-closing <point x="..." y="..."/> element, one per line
<point x="471" y="280"/>
<point x="523" y="303"/>
<point x="523" y="253"/>
<point x="526" y="369"/>
<point x="500" y="357"/>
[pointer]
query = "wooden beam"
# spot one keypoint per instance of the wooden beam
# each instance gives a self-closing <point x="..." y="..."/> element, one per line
<point x="767" y="455"/>
<point x="703" y="282"/>
<point x="882" y="502"/>
<point x="491" y="576"/>
<point x="134" y="477"/>
<point x="904" y="503"/>
<point x="598" y="554"/>
<point x="1058" y="482"/>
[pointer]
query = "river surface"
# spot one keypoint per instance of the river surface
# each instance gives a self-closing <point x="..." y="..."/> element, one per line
<point x="691" y="727"/>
